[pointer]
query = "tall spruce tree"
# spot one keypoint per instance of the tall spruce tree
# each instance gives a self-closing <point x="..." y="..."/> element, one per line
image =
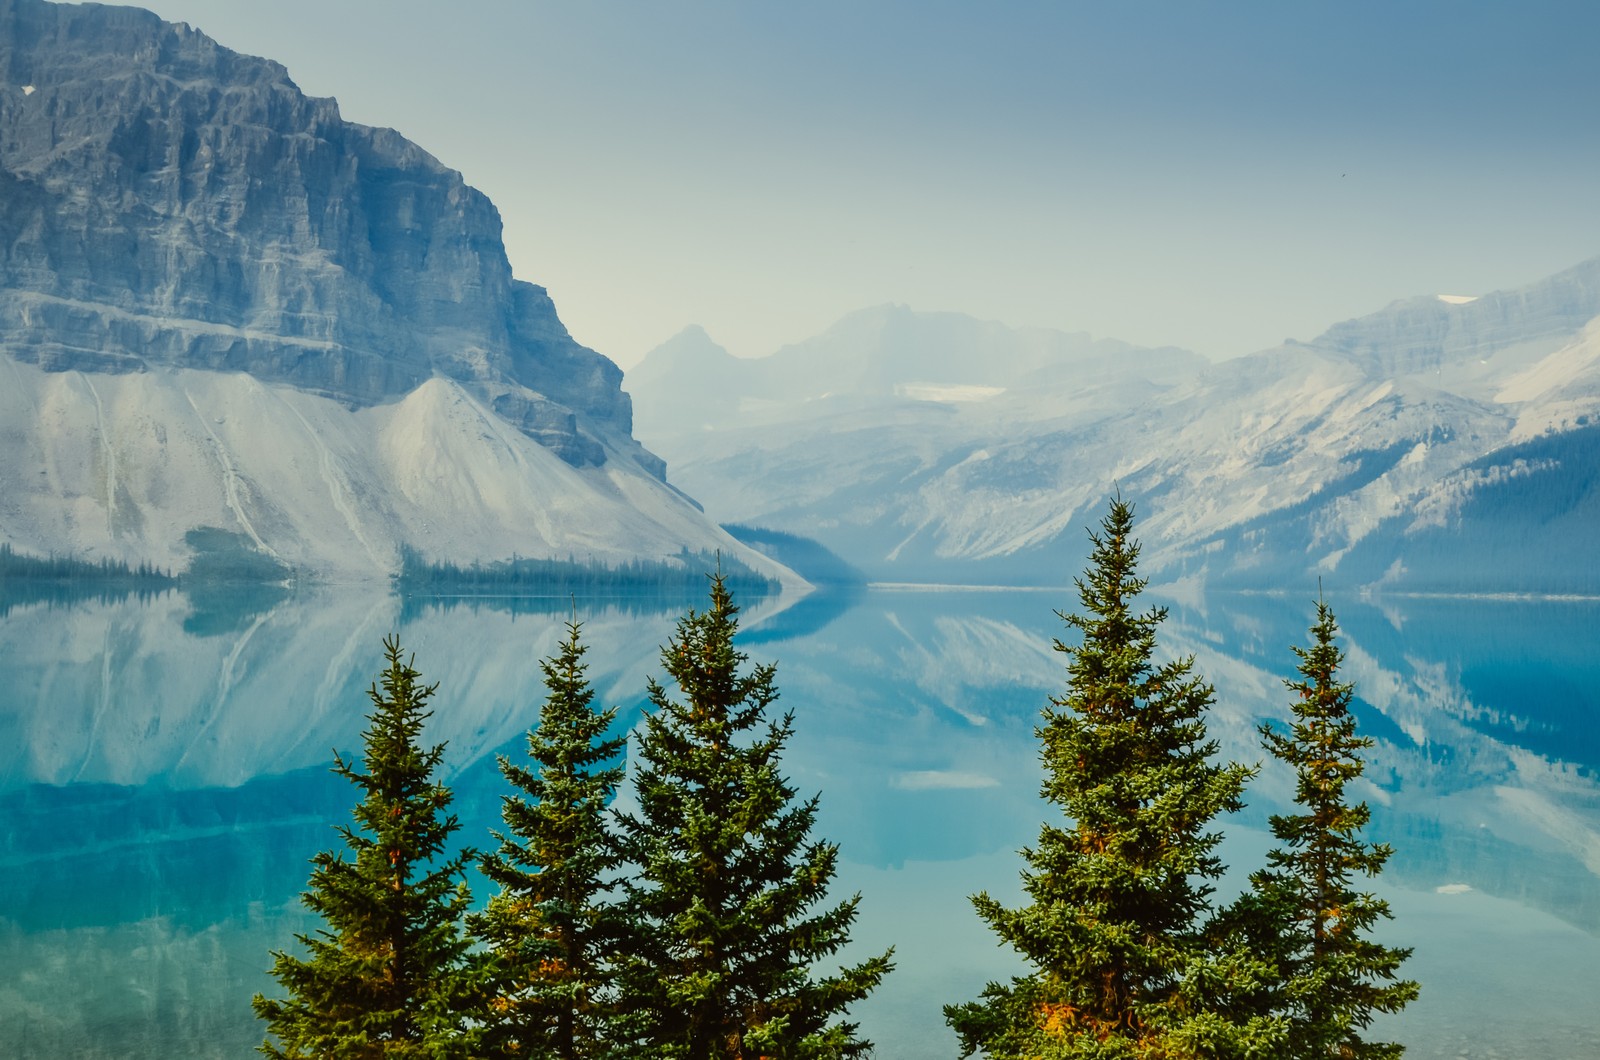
<point x="555" y="923"/>
<point x="390" y="976"/>
<point x="727" y="879"/>
<point x="1304" y="909"/>
<point x="1117" y="926"/>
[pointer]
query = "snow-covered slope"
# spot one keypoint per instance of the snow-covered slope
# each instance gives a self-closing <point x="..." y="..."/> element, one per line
<point x="1426" y="446"/>
<point x="124" y="465"/>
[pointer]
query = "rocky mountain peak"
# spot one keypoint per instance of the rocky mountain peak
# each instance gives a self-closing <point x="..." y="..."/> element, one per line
<point x="165" y="201"/>
<point x="1425" y="333"/>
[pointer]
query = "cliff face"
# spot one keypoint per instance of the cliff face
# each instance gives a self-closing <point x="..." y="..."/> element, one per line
<point x="167" y="202"/>
<point x="225" y="309"/>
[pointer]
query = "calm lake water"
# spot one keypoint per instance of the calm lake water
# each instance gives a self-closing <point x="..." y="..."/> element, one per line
<point x="163" y="781"/>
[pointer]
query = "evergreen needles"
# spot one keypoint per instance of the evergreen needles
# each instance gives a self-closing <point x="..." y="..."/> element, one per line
<point x="1303" y="909"/>
<point x="725" y="925"/>
<point x="689" y="930"/>
<point x="390" y="976"/>
<point x="554" y="927"/>
<point x="1131" y="955"/>
<point x="693" y="927"/>
<point x="1116" y="922"/>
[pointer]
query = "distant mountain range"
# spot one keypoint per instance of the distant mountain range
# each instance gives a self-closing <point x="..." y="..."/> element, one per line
<point x="1442" y="444"/>
<point x="228" y="315"/>
<point x="224" y="308"/>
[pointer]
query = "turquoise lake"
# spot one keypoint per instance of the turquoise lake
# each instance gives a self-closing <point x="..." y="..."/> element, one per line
<point x="163" y="781"/>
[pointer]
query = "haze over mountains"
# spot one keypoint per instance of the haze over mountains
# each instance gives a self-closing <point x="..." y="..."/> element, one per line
<point x="1440" y="444"/>
<point x="222" y="306"/>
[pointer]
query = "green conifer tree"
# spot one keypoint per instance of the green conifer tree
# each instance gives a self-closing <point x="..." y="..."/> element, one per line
<point x="1303" y="909"/>
<point x="555" y="923"/>
<point x="390" y="975"/>
<point x="1117" y="926"/>
<point x="727" y="933"/>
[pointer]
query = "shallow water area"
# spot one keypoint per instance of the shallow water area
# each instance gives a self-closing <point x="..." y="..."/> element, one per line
<point x="163" y="779"/>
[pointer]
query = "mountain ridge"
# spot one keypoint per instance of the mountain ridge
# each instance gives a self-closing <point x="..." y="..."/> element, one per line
<point x="1274" y="468"/>
<point x="224" y="308"/>
<point x="884" y="356"/>
<point x="173" y="202"/>
<point x="1427" y="331"/>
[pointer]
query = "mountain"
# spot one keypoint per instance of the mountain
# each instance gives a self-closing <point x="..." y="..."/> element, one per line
<point x="1440" y="444"/>
<point x="888" y="357"/>
<point x="223" y="306"/>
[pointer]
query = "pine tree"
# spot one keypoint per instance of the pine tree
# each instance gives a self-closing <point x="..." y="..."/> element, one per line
<point x="1306" y="911"/>
<point x="390" y="975"/>
<point x="728" y="881"/>
<point x="1117" y="926"/>
<point x="554" y="924"/>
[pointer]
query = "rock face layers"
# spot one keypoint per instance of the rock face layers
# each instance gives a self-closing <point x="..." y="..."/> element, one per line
<point x="227" y="315"/>
<point x="1423" y="334"/>
<point x="167" y="202"/>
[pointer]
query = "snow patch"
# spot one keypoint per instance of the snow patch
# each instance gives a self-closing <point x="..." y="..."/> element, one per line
<point x="1378" y="393"/>
<point x="1457" y="299"/>
<point x="28" y="90"/>
<point x="1555" y="373"/>
<point x="1453" y="888"/>
<point x="947" y="393"/>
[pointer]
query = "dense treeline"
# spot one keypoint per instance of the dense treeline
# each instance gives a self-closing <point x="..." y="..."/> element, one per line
<point x="14" y="566"/>
<point x="1522" y="519"/>
<point x="219" y="557"/>
<point x="535" y="602"/>
<point x="226" y="571"/>
<point x="697" y="924"/>
<point x="63" y="580"/>
<point x="683" y="573"/>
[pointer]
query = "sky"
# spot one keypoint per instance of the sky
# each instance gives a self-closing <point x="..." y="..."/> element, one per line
<point x="1219" y="176"/>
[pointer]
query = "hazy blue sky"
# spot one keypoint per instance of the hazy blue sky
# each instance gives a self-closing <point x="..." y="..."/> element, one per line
<point x="1213" y="175"/>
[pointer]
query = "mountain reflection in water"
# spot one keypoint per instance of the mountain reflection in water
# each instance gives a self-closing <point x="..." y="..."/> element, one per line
<point x="164" y="780"/>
